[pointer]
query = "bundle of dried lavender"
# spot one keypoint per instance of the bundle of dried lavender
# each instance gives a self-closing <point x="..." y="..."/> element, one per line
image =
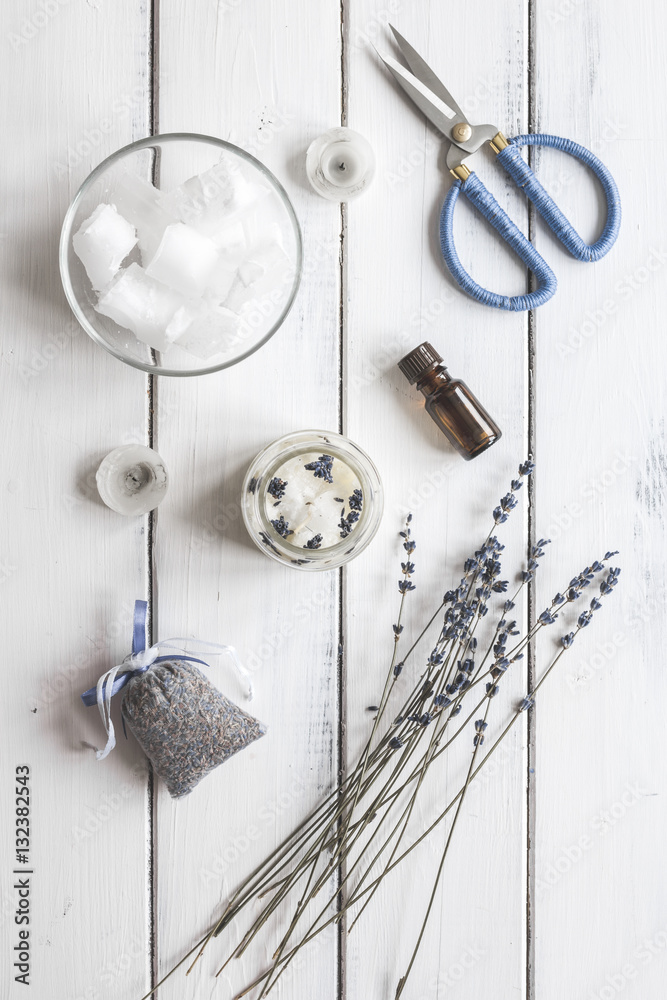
<point x="367" y="815"/>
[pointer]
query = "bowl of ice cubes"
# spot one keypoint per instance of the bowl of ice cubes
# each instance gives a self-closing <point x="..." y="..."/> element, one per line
<point x="181" y="254"/>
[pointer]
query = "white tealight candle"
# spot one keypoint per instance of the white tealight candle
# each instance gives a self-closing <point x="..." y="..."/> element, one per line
<point x="340" y="164"/>
<point x="132" y="479"/>
<point x="312" y="500"/>
<point x="343" y="164"/>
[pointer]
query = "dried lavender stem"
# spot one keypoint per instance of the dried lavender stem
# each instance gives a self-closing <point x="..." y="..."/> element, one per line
<point x="436" y="882"/>
<point x="345" y="849"/>
<point x="358" y="894"/>
<point x="420" y="775"/>
<point x="472" y="773"/>
<point x="290" y="844"/>
<point x="341" y="854"/>
<point x="327" y="873"/>
<point x="471" y="776"/>
<point x="290" y="881"/>
<point x="150" y="993"/>
<point x="442" y="815"/>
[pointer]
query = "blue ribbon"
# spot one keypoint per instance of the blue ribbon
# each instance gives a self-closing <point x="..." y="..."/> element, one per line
<point x="139" y="661"/>
<point x="90" y="697"/>
<point x="139" y="626"/>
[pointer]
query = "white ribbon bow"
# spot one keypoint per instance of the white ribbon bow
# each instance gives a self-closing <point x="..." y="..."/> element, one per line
<point x="141" y="662"/>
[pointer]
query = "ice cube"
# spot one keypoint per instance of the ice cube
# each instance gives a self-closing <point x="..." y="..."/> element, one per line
<point x="228" y="195"/>
<point x="221" y="280"/>
<point x="212" y="330"/>
<point x="231" y="241"/>
<point x="186" y="202"/>
<point x="139" y="303"/>
<point x="239" y="295"/>
<point x="214" y="200"/>
<point x="267" y="274"/>
<point x="272" y="259"/>
<point x="212" y="216"/>
<point x="181" y="320"/>
<point x="139" y="202"/>
<point x="227" y="185"/>
<point x="250" y="271"/>
<point x="184" y="260"/>
<point x="102" y="242"/>
<point x="190" y="201"/>
<point x="265" y="225"/>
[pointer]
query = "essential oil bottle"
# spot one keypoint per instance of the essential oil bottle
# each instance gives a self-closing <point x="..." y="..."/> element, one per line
<point x="450" y="403"/>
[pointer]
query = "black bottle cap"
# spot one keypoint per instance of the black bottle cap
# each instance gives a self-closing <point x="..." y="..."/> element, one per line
<point x="414" y="364"/>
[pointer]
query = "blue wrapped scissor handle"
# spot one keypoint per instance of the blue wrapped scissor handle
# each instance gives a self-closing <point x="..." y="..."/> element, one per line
<point x="477" y="194"/>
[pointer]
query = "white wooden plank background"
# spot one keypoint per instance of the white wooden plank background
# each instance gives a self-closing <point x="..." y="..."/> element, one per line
<point x="556" y="884"/>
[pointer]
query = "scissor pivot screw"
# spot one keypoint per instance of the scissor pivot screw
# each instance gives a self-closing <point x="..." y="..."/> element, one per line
<point x="461" y="132"/>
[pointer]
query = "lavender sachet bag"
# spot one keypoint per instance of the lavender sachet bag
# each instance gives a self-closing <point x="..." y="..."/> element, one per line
<point x="185" y="726"/>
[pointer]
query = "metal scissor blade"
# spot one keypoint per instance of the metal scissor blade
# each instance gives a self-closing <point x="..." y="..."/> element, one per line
<point x="435" y="109"/>
<point x="423" y="72"/>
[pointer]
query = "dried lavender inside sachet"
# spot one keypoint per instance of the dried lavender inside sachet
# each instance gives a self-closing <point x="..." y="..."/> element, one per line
<point x="185" y="726"/>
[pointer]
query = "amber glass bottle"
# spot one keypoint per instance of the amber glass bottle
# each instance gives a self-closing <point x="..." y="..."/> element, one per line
<point x="458" y="414"/>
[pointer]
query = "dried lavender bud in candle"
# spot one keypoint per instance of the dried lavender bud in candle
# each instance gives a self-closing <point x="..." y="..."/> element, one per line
<point x="321" y="469"/>
<point x="282" y="527"/>
<point x="267" y="541"/>
<point x="277" y="488"/>
<point x="356" y="500"/>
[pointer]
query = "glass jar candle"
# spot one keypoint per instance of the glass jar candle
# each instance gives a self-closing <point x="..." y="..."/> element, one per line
<point x="312" y="500"/>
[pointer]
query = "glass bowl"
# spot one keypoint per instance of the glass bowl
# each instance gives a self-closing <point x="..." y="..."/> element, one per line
<point x="299" y="493"/>
<point x="168" y="161"/>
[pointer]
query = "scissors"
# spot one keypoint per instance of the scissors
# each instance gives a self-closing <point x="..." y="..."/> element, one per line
<point x="432" y="97"/>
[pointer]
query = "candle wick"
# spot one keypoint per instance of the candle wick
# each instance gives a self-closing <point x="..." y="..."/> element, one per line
<point x="342" y="166"/>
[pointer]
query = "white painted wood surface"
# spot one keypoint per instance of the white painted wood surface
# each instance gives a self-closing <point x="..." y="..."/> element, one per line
<point x="555" y="886"/>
